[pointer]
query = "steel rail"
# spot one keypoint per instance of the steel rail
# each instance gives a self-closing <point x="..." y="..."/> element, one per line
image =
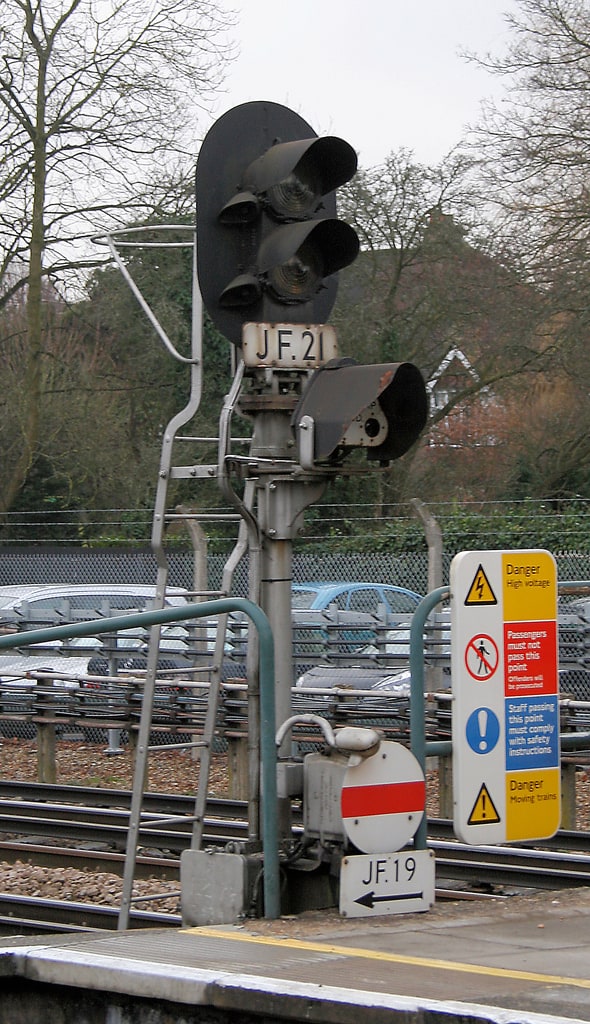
<point x="172" y="804"/>
<point x="480" y="867"/>
<point x="85" y="824"/>
<point x="544" y="869"/>
<point x="83" y="859"/>
<point x="99" y="796"/>
<point x="223" y="813"/>
<point x="558" y="865"/>
<point x="32" y="913"/>
<point x="565" y="839"/>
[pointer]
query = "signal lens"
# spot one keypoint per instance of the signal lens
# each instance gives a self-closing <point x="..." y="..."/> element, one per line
<point x="244" y="290"/>
<point x="294" y="197"/>
<point x="299" y="278"/>
<point x="241" y="209"/>
<point x="372" y="427"/>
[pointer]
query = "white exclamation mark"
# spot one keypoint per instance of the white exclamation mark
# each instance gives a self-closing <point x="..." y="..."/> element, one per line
<point x="482" y="722"/>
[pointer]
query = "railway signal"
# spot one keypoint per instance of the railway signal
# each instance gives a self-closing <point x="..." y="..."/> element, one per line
<point x="382" y="408"/>
<point x="269" y="243"/>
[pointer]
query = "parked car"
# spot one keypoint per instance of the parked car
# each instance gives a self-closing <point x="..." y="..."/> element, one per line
<point x="354" y="678"/>
<point x="579" y="607"/>
<point x="574" y="642"/>
<point x="357" y="695"/>
<point x="382" y="664"/>
<point x="381" y="601"/>
<point x="54" y="603"/>
<point x="36" y="606"/>
<point x="356" y="597"/>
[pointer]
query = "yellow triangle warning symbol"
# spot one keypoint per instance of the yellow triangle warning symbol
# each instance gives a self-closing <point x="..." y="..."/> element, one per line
<point x="480" y="591"/>
<point x="483" y="811"/>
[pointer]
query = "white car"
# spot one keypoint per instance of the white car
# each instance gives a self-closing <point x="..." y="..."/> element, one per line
<point x="37" y="606"/>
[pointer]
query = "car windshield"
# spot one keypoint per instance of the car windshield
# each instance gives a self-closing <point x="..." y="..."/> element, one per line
<point x="6" y="599"/>
<point x="400" y="602"/>
<point x="303" y="598"/>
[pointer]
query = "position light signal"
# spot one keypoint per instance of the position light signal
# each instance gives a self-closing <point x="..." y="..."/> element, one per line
<point x="268" y="240"/>
<point x="382" y="408"/>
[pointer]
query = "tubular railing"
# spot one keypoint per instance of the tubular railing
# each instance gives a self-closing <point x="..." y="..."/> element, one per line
<point x="267" y="701"/>
<point x="419" y="745"/>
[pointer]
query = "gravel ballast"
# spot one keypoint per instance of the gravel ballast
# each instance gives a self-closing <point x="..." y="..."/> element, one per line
<point x="85" y="764"/>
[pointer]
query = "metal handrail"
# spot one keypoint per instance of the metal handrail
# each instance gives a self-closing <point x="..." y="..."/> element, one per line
<point x="267" y="701"/>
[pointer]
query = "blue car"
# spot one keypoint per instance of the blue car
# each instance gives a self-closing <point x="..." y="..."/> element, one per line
<point x="355" y="597"/>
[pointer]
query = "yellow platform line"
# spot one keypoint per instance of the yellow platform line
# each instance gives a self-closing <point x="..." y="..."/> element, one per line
<point x="392" y="958"/>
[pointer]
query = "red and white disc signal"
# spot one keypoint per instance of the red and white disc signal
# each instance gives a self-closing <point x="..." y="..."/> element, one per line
<point x="383" y="799"/>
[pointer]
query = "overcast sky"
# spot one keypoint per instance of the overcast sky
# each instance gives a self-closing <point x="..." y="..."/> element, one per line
<point x="383" y="74"/>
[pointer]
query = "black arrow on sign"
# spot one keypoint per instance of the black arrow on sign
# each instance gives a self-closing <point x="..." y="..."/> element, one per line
<point x="369" y="899"/>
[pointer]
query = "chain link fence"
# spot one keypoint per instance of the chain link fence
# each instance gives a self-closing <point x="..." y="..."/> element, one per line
<point x="106" y="566"/>
<point x="83" y="565"/>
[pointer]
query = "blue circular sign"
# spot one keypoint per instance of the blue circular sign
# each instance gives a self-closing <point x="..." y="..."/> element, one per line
<point x="482" y="730"/>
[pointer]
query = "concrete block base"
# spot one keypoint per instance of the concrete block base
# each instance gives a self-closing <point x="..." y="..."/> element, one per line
<point x="218" y="888"/>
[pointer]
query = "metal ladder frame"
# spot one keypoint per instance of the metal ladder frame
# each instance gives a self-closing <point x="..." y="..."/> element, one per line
<point x="247" y="541"/>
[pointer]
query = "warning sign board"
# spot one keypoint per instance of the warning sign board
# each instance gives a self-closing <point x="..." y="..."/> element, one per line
<point x="529" y="655"/>
<point x="383" y="799"/>
<point x="532" y="798"/>
<point x="505" y="696"/>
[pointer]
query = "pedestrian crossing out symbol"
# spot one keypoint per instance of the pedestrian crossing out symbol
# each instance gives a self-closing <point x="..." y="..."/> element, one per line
<point x="481" y="656"/>
<point x="480" y="592"/>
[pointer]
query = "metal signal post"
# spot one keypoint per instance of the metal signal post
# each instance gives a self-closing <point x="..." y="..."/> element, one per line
<point x="269" y="249"/>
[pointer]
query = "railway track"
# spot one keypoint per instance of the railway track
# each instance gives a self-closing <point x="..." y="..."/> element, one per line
<point x="31" y="914"/>
<point x="57" y="826"/>
<point x="108" y="827"/>
<point x="156" y="803"/>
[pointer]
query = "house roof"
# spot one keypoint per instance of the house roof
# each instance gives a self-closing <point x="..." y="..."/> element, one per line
<point x="454" y="354"/>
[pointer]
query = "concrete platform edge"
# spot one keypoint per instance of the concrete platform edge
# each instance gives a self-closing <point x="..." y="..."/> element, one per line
<point x="222" y="990"/>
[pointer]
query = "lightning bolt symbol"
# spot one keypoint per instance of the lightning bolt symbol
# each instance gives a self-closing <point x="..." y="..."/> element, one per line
<point x="479" y="587"/>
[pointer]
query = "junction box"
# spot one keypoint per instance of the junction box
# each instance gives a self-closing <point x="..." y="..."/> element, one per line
<point x="219" y="887"/>
<point x="322" y="790"/>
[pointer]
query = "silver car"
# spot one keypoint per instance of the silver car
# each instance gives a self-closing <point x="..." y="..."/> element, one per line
<point x="36" y="606"/>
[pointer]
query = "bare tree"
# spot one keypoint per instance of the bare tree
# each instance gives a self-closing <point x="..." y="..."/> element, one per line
<point x="391" y="208"/>
<point x="95" y="96"/>
<point x="432" y="274"/>
<point x="534" y="157"/>
<point x="432" y="277"/>
<point x="535" y="146"/>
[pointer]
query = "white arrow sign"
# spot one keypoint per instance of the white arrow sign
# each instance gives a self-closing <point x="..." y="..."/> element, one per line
<point x="398" y="883"/>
